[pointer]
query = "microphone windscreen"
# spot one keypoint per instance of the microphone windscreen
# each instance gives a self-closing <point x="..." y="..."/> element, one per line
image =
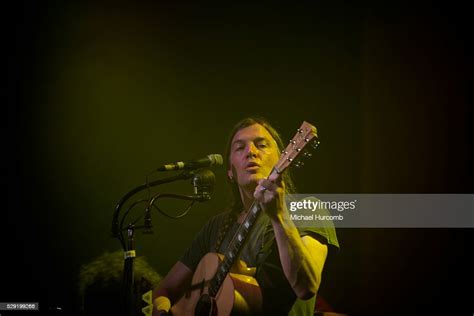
<point x="216" y="159"/>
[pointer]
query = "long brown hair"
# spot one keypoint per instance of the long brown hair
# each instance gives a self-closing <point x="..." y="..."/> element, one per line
<point x="237" y="205"/>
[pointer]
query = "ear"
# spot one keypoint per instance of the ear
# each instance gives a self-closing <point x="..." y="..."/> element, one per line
<point x="230" y="175"/>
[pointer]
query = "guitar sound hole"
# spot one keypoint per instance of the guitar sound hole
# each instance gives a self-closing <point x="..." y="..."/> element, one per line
<point x="206" y="306"/>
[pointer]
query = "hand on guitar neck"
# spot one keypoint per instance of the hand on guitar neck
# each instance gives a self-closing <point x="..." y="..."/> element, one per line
<point x="270" y="194"/>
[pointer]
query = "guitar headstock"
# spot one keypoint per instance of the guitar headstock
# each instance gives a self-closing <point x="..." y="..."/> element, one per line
<point x="305" y="136"/>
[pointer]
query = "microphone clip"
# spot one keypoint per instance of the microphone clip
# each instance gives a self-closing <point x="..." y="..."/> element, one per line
<point x="203" y="182"/>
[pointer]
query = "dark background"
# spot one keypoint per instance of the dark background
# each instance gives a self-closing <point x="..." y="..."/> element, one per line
<point x="100" y="95"/>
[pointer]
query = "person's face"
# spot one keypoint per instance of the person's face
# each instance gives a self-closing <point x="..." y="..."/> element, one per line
<point x="253" y="154"/>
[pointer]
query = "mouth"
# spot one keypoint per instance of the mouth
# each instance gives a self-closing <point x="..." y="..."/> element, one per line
<point x="252" y="166"/>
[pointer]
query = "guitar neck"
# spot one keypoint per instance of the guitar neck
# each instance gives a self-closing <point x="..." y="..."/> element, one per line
<point x="235" y="246"/>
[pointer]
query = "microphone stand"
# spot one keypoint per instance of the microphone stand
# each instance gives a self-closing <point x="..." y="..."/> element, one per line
<point x="129" y="247"/>
<point x="116" y="232"/>
<point x="128" y="275"/>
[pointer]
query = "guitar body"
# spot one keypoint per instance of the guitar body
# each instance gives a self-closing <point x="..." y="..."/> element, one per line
<point x="239" y="293"/>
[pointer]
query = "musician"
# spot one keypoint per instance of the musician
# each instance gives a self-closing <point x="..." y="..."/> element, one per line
<point x="289" y="260"/>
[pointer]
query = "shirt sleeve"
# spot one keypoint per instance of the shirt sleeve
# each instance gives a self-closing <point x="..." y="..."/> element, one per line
<point x="323" y="231"/>
<point x="325" y="235"/>
<point x="202" y="243"/>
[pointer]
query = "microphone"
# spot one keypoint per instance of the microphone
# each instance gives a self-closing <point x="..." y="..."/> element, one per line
<point x="210" y="160"/>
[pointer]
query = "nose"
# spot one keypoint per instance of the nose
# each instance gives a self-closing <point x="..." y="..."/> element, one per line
<point x="251" y="151"/>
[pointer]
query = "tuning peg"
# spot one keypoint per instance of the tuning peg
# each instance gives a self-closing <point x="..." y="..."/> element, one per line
<point x="307" y="154"/>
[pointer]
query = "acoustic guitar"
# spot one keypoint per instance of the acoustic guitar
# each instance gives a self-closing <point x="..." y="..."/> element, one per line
<point x="222" y="284"/>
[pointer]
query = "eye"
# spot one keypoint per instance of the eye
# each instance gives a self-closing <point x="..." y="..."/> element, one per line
<point x="262" y="145"/>
<point x="238" y="147"/>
